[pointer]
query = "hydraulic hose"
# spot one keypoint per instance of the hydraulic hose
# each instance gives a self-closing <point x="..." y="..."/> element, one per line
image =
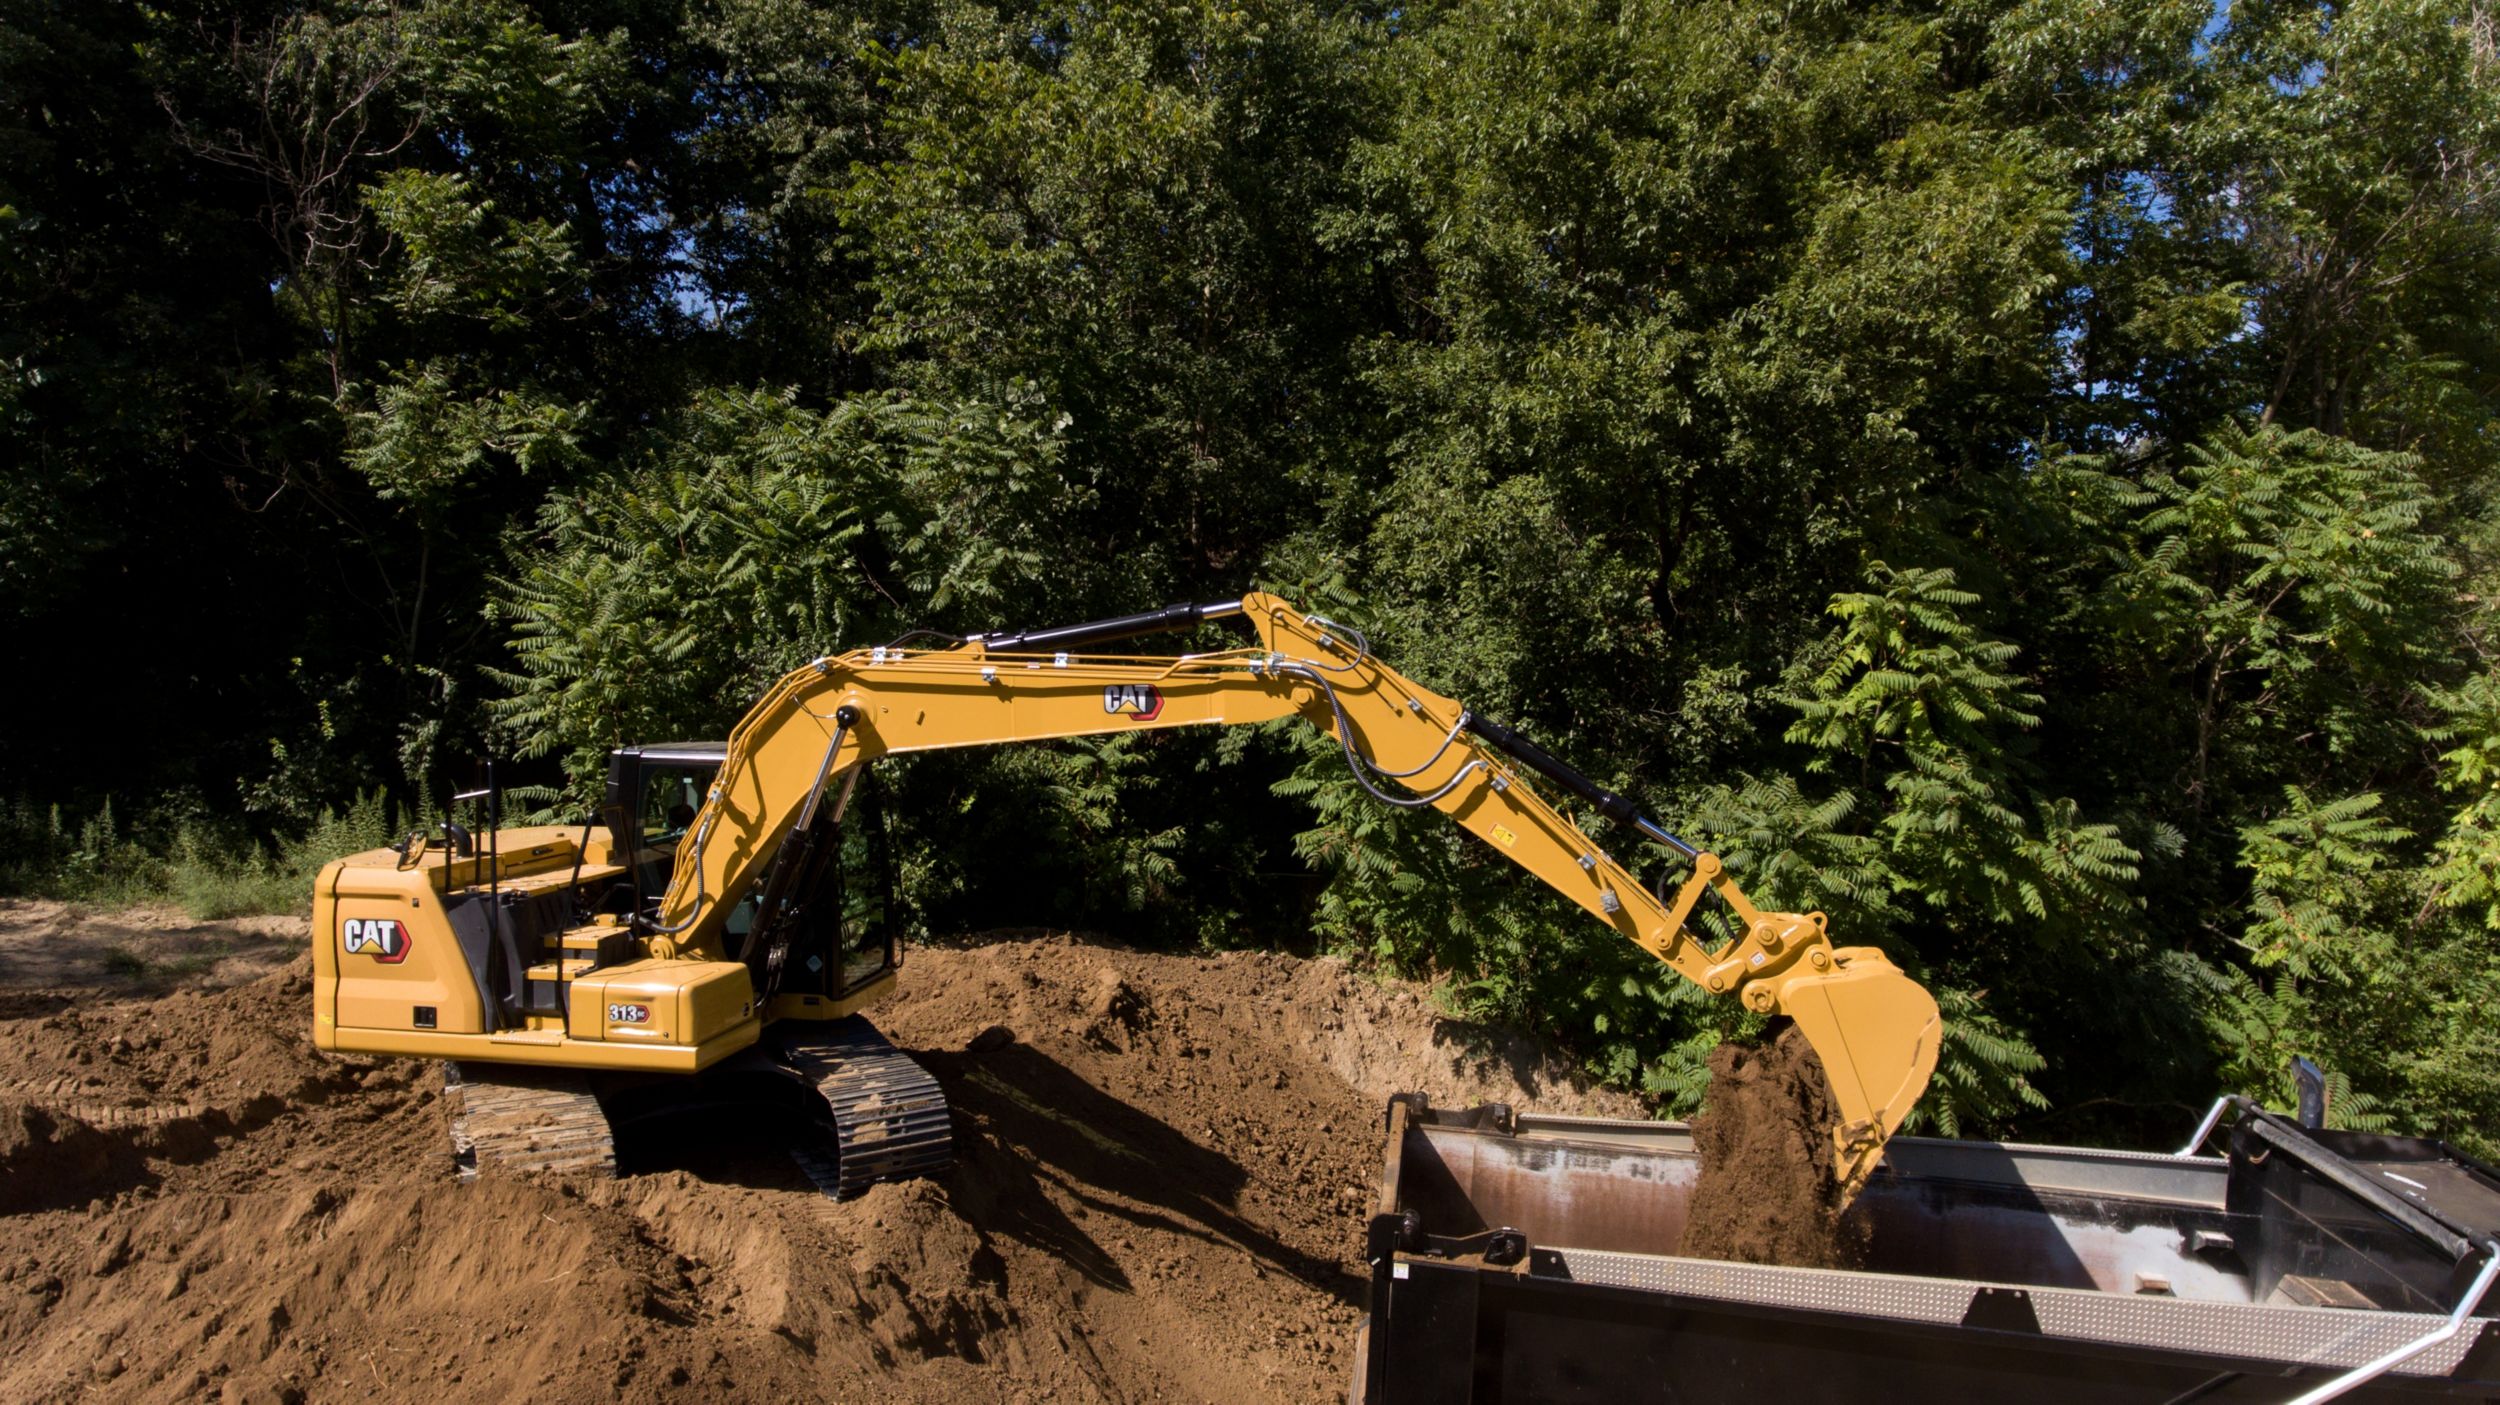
<point x="1358" y="763"/>
<point x="1606" y="802"/>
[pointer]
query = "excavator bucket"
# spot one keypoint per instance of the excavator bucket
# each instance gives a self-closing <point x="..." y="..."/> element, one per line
<point x="1877" y="1033"/>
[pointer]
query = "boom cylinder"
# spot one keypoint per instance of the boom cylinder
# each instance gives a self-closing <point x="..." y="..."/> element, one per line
<point x="1061" y="638"/>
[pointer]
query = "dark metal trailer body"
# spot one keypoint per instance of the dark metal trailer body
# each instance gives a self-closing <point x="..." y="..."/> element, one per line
<point x="1527" y="1258"/>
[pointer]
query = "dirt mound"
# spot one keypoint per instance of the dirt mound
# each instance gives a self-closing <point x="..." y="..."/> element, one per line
<point x="1377" y="1037"/>
<point x="108" y="1096"/>
<point x="1385" y="1039"/>
<point x="1768" y="1192"/>
<point x="1163" y="1165"/>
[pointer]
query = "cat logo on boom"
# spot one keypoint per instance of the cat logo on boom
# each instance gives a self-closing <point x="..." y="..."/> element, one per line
<point x="1143" y="702"/>
<point x="382" y="938"/>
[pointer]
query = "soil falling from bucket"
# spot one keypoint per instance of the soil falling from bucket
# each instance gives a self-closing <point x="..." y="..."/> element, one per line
<point x="1768" y="1192"/>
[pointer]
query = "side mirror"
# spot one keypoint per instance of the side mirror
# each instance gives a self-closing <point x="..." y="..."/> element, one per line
<point x="2310" y="1080"/>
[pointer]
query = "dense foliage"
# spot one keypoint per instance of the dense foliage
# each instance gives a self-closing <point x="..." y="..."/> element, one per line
<point x="2014" y="474"/>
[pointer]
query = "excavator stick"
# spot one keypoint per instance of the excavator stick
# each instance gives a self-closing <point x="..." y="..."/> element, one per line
<point x="1876" y="1031"/>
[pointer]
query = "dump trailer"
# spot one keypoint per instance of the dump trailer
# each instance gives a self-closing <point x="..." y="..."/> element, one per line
<point x="1517" y="1257"/>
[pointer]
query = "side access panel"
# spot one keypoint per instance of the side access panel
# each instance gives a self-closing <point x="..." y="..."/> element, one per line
<point x="384" y="958"/>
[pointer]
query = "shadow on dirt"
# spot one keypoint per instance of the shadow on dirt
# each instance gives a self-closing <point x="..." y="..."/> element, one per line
<point x="1022" y="1119"/>
<point x="744" y="1141"/>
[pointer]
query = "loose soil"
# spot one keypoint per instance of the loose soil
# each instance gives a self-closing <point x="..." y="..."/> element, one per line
<point x="1768" y="1192"/>
<point x="1163" y="1168"/>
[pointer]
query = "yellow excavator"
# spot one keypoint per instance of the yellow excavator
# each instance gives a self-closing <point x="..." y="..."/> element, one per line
<point x="698" y="930"/>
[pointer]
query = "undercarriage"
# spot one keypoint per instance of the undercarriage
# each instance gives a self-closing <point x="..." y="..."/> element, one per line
<point x="879" y="1115"/>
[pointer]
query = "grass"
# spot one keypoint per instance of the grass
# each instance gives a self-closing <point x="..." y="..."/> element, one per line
<point x="122" y="961"/>
<point x="175" y="854"/>
<point x="133" y="965"/>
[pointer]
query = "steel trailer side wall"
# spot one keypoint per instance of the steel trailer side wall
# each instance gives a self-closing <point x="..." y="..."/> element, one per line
<point x="1457" y="1334"/>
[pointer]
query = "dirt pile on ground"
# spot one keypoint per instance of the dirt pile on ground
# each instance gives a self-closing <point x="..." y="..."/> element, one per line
<point x="1162" y="1175"/>
<point x="159" y="1064"/>
<point x="1367" y="1033"/>
<point x="1768" y="1192"/>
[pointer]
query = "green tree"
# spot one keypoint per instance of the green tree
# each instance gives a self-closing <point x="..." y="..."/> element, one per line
<point x="752" y="536"/>
<point x="405" y="381"/>
<point x="1111" y="203"/>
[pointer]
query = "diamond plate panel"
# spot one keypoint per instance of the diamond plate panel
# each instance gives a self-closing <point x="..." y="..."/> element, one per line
<point x="1855" y="1294"/>
<point x="2295" y="1336"/>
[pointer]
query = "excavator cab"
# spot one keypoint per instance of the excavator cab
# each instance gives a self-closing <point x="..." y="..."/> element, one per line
<point x="820" y="925"/>
<point x="817" y="924"/>
<point x="654" y="792"/>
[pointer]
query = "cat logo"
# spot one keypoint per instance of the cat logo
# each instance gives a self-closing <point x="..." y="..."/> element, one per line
<point x="381" y="938"/>
<point x="1141" y="701"/>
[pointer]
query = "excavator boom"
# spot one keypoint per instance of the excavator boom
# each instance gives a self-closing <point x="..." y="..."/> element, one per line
<point x="1877" y="1031"/>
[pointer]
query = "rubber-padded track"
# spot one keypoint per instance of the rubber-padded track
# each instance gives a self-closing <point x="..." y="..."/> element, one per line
<point x="507" y="1117"/>
<point x="889" y="1116"/>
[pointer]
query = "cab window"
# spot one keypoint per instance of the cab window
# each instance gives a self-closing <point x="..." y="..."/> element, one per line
<point x="672" y="794"/>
